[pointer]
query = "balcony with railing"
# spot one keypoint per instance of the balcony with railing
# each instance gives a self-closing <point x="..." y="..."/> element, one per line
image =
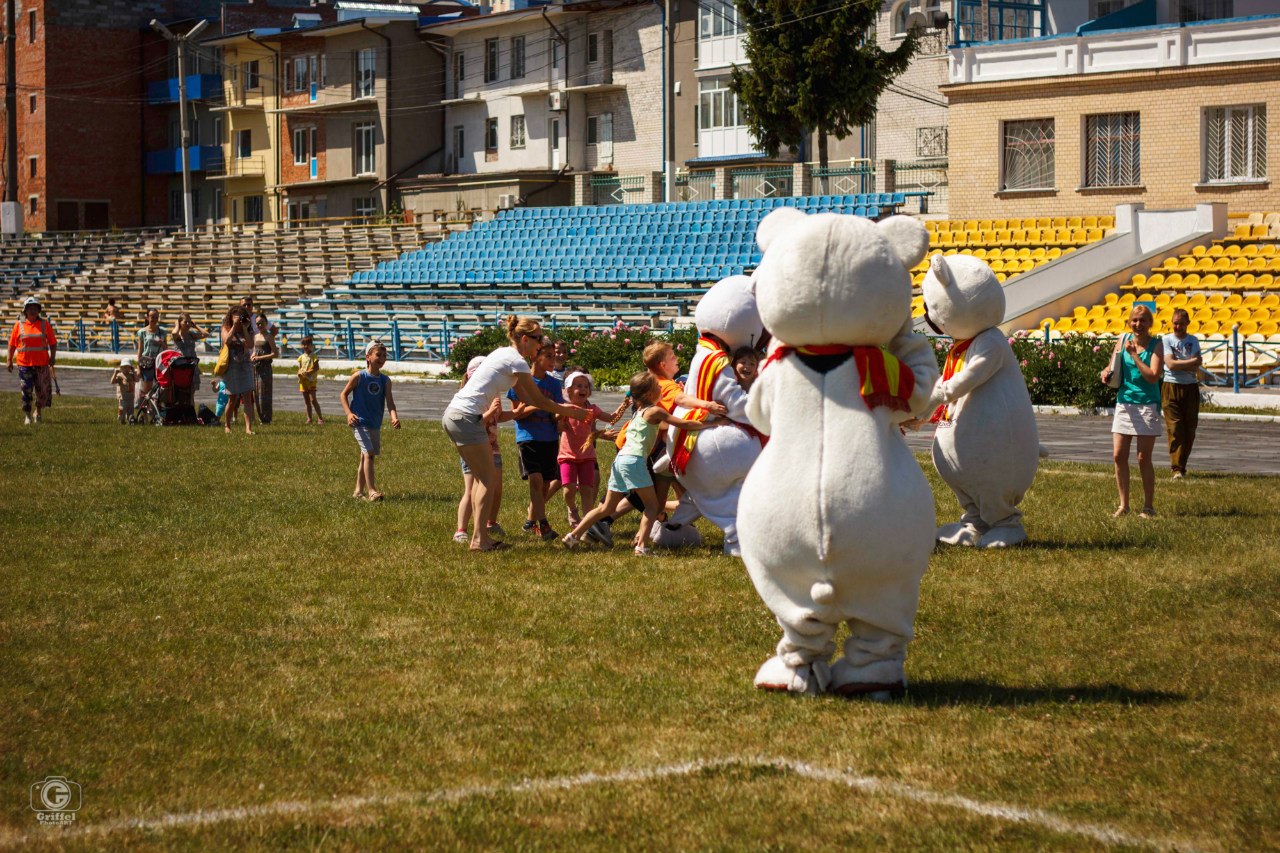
<point x="168" y="161"/>
<point x="1090" y="50"/>
<point x="200" y="87"/>
<point x="237" y="167"/>
<point x="236" y="98"/>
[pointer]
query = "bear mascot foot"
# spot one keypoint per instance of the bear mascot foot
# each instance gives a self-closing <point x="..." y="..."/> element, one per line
<point x="1003" y="537"/>
<point x="958" y="533"/>
<point x="852" y="682"/>
<point x="808" y="679"/>
<point x="669" y="535"/>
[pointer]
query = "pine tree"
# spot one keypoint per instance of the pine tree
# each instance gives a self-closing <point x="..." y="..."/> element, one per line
<point x="812" y="69"/>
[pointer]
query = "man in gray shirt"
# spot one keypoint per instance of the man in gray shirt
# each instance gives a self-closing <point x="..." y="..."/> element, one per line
<point x="1180" y="391"/>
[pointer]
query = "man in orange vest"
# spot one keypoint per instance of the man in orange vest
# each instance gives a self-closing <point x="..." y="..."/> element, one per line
<point x="36" y="346"/>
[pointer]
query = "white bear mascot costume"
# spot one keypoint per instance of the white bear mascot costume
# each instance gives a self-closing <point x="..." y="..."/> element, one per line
<point x="711" y="465"/>
<point x="836" y="518"/>
<point x="986" y="447"/>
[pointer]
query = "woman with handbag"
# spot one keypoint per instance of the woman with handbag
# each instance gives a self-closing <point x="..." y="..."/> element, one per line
<point x="237" y="378"/>
<point x="151" y="342"/>
<point x="1136" y="365"/>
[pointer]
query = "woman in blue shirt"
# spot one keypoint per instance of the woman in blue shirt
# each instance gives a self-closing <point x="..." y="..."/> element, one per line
<point x="1137" y="407"/>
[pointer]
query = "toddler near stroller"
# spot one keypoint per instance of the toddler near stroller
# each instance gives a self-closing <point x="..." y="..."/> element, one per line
<point x="171" y="400"/>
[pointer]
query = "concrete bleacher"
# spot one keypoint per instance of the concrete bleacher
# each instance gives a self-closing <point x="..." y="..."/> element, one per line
<point x="583" y="266"/>
<point x="206" y="271"/>
<point x="30" y="263"/>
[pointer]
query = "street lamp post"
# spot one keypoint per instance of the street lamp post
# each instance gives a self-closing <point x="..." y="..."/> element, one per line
<point x="188" y="218"/>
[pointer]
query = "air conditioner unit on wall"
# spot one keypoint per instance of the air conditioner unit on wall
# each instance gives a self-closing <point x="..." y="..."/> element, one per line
<point x="506" y="201"/>
<point x="556" y="101"/>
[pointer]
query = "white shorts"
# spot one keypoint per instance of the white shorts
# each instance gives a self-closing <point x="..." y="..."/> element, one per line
<point x="1132" y="419"/>
<point x="370" y="440"/>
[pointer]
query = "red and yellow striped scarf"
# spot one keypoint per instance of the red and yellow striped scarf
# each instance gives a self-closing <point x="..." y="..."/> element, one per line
<point x="885" y="380"/>
<point x="955" y="363"/>
<point x="704" y="385"/>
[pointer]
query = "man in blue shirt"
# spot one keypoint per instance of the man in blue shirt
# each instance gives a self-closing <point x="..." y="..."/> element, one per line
<point x="1180" y="391"/>
<point x="538" y="439"/>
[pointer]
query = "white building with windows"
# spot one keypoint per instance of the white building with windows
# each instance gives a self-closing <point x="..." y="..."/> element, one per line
<point x="1163" y="102"/>
<point x="541" y="99"/>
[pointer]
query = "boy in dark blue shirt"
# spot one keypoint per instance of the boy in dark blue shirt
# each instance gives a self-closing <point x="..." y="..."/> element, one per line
<point x="363" y="398"/>
<point x="538" y="440"/>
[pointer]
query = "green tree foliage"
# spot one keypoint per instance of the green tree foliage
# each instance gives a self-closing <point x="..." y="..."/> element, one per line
<point x="813" y="69"/>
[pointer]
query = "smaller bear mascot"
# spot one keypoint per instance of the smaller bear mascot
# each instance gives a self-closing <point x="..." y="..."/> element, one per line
<point x="986" y="446"/>
<point x="712" y="464"/>
<point x="836" y="518"/>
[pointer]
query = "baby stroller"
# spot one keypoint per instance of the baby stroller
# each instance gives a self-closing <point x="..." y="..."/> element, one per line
<point x="171" y="401"/>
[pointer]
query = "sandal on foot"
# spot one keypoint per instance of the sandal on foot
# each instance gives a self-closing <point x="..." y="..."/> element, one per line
<point x="1147" y="512"/>
<point x="1120" y="511"/>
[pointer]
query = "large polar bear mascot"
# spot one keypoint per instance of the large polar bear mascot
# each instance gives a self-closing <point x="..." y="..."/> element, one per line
<point x="836" y="518"/>
<point x="712" y="464"/>
<point x="986" y="447"/>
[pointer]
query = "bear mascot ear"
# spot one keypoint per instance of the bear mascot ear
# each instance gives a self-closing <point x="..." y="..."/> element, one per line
<point x="775" y="223"/>
<point x="909" y="239"/>
<point x="941" y="271"/>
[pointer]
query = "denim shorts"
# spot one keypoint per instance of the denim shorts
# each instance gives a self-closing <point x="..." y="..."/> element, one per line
<point x="629" y="473"/>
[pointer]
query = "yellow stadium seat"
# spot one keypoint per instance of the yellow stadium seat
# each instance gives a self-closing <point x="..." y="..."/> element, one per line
<point x="1110" y="299"/>
<point x="1242" y="232"/>
<point x="1127" y="300"/>
<point x="1267" y="250"/>
<point x="1173" y="280"/>
<point x="1074" y="222"/>
<point x="1197" y="301"/>
<point x="985" y="225"/>
<point x="1093" y="234"/>
<point x="999" y="224"/>
<point x="1222" y="265"/>
<point x="1265" y="281"/>
<point x="1233" y="301"/>
<point x="1138" y="280"/>
<point x="1090" y="222"/>
<point x="1163" y="299"/>
<point x="1248" y="327"/>
<point x="1201" y="264"/>
<point x="1108" y="221"/>
<point x="1249" y="251"/>
<point x="997" y="265"/>
<point x="1000" y="277"/>
<point x="1191" y="279"/>
<point x="1269" y="328"/>
<point x="1156" y="280"/>
<point x="1271" y="300"/>
<point x="1214" y="251"/>
<point x="1251" y="301"/>
<point x="1209" y="327"/>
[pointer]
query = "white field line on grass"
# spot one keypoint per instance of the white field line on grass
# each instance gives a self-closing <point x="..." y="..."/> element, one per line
<point x="1102" y="834"/>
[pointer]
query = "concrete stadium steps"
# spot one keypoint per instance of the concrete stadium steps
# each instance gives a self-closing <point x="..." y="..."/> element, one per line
<point x="29" y="266"/>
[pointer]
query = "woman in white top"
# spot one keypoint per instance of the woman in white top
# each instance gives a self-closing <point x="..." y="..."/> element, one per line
<point x="503" y="369"/>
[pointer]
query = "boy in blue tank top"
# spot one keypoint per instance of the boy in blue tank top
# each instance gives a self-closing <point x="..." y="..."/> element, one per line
<point x="363" y="398"/>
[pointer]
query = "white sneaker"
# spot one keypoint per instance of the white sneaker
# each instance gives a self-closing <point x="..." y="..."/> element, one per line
<point x="26" y="420"/>
<point x="641" y="551"/>
<point x="570" y="541"/>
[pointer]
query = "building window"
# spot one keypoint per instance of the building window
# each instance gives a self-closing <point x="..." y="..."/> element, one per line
<point x="718" y="18"/>
<point x="490" y="60"/>
<point x="1204" y="10"/>
<point x="218" y="137"/>
<point x="1028" y="154"/>
<point x="177" y="211"/>
<point x="366" y="72"/>
<point x="931" y="142"/>
<point x="301" y="146"/>
<point x="1235" y="147"/>
<point x="1113" y="150"/>
<point x="593" y="129"/>
<point x="491" y="134"/>
<point x="459" y="146"/>
<point x="253" y="208"/>
<point x="459" y="73"/>
<point x="33" y="103"/>
<point x="898" y="19"/>
<point x="718" y="105"/>
<point x="364" y="206"/>
<point x="518" y="134"/>
<point x="1005" y="19"/>
<point x="556" y="53"/>
<point x="32" y="162"/>
<point x="365" y="148"/>
<point x="251" y="79"/>
<point x="244" y="144"/>
<point x="31" y="26"/>
<point x="593" y="47"/>
<point x="517" y="57"/>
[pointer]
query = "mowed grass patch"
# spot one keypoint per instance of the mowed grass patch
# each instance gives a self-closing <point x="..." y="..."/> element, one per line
<point x="197" y="621"/>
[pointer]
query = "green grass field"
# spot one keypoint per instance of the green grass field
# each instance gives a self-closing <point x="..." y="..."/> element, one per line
<point x="194" y="622"/>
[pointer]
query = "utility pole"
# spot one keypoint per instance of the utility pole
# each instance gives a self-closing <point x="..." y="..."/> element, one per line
<point x="668" y="97"/>
<point x="10" y="103"/>
<point x="188" y="219"/>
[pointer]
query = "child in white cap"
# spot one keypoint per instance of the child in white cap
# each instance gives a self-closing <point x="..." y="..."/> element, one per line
<point x="124" y="378"/>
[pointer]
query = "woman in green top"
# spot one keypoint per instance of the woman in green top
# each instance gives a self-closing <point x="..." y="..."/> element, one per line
<point x="151" y="342"/>
<point x="1137" y="407"/>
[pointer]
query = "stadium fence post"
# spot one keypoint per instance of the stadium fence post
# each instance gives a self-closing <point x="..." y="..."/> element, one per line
<point x="1235" y="357"/>
<point x="351" y="341"/>
<point x="395" y="340"/>
<point x="82" y="343"/>
<point x="1047" y="327"/>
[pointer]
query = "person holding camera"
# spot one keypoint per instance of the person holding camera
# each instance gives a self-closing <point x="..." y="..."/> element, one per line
<point x="151" y="342"/>
<point x="237" y="337"/>
<point x="1137" y="407"/>
<point x="185" y="334"/>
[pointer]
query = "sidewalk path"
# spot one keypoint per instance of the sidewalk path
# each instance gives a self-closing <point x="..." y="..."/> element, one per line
<point x="1225" y="446"/>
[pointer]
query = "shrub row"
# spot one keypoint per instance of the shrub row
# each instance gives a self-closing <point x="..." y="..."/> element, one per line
<point x="1061" y="372"/>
